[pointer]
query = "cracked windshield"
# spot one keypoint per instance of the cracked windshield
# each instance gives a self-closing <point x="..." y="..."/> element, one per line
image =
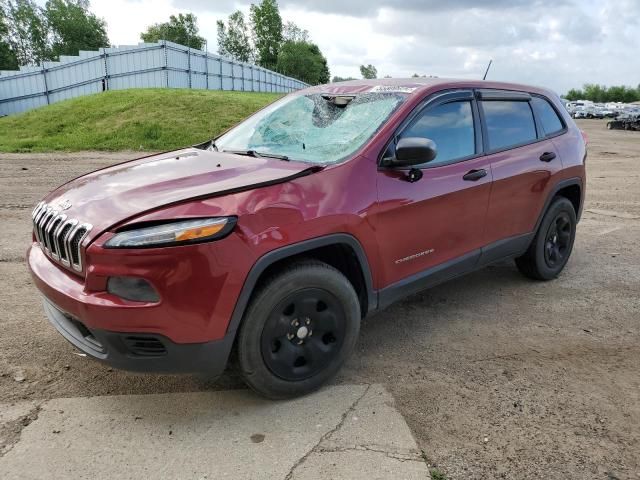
<point x="314" y="128"/>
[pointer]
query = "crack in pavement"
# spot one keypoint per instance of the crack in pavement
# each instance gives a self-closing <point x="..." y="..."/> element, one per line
<point x="397" y="455"/>
<point x="11" y="431"/>
<point x="328" y="434"/>
<point x="12" y="259"/>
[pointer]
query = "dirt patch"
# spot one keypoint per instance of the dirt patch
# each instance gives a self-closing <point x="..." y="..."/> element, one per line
<point x="498" y="376"/>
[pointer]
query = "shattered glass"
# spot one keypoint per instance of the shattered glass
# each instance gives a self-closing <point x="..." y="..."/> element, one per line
<point x="313" y="128"/>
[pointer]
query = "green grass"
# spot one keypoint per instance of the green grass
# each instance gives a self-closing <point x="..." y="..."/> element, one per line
<point x="140" y="119"/>
<point x="437" y="474"/>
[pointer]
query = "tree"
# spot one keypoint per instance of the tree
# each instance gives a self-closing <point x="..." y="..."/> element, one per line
<point x="233" y="38"/>
<point x="27" y="31"/>
<point x="595" y="93"/>
<point x="304" y="61"/>
<point x="74" y="28"/>
<point x="182" y="29"/>
<point x="293" y="33"/>
<point x="368" y="71"/>
<point x="601" y="93"/>
<point x="574" y="94"/>
<point x="266" y="25"/>
<point x="341" y="79"/>
<point x="8" y="59"/>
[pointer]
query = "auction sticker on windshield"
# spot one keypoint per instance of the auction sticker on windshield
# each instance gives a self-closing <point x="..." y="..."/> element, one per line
<point x="392" y="89"/>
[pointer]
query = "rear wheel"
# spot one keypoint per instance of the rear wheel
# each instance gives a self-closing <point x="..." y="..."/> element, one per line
<point x="299" y="328"/>
<point x="551" y="247"/>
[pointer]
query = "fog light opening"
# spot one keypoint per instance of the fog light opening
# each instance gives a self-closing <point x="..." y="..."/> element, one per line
<point x="132" y="288"/>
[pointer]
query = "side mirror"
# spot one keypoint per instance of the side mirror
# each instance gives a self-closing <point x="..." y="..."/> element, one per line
<point x="414" y="151"/>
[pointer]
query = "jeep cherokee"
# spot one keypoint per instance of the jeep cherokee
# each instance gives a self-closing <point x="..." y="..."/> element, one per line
<point x="269" y="244"/>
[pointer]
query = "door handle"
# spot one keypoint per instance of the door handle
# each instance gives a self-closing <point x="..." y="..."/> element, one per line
<point x="474" y="175"/>
<point x="547" y="156"/>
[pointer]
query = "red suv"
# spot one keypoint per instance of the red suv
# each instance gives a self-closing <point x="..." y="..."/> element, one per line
<point x="272" y="242"/>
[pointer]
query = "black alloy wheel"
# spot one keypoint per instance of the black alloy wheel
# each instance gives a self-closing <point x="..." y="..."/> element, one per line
<point x="301" y="325"/>
<point x="552" y="244"/>
<point x="558" y="240"/>
<point x="303" y="333"/>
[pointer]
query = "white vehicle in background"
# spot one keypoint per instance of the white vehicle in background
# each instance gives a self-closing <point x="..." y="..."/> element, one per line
<point x="579" y="108"/>
<point x="579" y="112"/>
<point x="588" y="111"/>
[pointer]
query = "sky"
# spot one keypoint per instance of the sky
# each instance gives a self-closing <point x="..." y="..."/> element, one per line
<point x="558" y="44"/>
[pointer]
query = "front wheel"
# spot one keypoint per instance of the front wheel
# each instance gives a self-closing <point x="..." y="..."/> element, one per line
<point x="300" y="327"/>
<point x="551" y="247"/>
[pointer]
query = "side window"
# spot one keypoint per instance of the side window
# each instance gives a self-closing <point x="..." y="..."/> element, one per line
<point x="548" y="117"/>
<point x="509" y="123"/>
<point x="450" y="126"/>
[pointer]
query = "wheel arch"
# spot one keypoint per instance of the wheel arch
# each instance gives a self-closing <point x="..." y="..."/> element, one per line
<point x="571" y="189"/>
<point x="341" y="250"/>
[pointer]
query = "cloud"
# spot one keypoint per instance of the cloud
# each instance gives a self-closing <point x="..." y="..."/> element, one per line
<point x="197" y="6"/>
<point x="555" y="43"/>
<point x="367" y="8"/>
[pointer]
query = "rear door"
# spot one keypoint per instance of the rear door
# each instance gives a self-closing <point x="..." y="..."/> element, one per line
<point x="439" y="219"/>
<point x="523" y="160"/>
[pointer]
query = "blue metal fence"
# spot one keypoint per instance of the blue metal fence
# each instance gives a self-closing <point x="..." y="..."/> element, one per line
<point x="148" y="65"/>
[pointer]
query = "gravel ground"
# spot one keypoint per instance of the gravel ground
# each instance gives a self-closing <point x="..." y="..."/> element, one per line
<point x="497" y="376"/>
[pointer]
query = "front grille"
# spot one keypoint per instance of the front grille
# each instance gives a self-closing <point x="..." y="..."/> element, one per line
<point x="59" y="236"/>
<point x="145" y="346"/>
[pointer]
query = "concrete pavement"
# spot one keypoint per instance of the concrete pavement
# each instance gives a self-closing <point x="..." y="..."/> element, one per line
<point x="347" y="431"/>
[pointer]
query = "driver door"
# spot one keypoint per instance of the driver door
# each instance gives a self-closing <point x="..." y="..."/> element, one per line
<point x="431" y="229"/>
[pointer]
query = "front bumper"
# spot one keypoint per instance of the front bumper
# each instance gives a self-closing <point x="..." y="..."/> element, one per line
<point x="157" y="337"/>
<point x="142" y="352"/>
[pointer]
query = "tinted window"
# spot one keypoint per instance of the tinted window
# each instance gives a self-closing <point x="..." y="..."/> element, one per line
<point x="450" y="126"/>
<point x="508" y="123"/>
<point x="551" y="123"/>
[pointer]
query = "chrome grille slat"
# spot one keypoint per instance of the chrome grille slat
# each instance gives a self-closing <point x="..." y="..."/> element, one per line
<point x="59" y="237"/>
<point x="40" y="221"/>
<point x="46" y="229"/>
<point x="37" y="214"/>
<point x="49" y="214"/>
<point x="54" y="229"/>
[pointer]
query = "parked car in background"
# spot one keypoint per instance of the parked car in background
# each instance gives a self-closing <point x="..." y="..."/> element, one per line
<point x="609" y="113"/>
<point x="270" y="244"/>
<point x="625" y="121"/>
<point x="580" y="112"/>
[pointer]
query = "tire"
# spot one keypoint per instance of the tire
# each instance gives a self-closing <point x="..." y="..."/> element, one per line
<point x="301" y="325"/>
<point x="551" y="247"/>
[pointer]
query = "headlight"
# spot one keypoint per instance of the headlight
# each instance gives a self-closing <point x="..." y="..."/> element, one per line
<point x="182" y="232"/>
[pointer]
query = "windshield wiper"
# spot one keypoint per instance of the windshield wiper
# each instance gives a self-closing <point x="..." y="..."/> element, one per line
<point x="208" y="145"/>
<point x="254" y="153"/>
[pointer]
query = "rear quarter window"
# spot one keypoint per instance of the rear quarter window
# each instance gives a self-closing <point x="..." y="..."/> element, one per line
<point x="509" y="123"/>
<point x="547" y="115"/>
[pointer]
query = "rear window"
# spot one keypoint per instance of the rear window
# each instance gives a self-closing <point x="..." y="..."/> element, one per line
<point x="547" y="115"/>
<point x="509" y="123"/>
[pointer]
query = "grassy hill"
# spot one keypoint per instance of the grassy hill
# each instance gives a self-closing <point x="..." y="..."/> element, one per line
<point x="140" y="119"/>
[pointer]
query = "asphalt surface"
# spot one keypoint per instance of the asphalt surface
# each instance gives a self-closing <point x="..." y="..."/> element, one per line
<point x="496" y="376"/>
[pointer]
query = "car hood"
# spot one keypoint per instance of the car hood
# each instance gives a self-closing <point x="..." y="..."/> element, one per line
<point x="114" y="194"/>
